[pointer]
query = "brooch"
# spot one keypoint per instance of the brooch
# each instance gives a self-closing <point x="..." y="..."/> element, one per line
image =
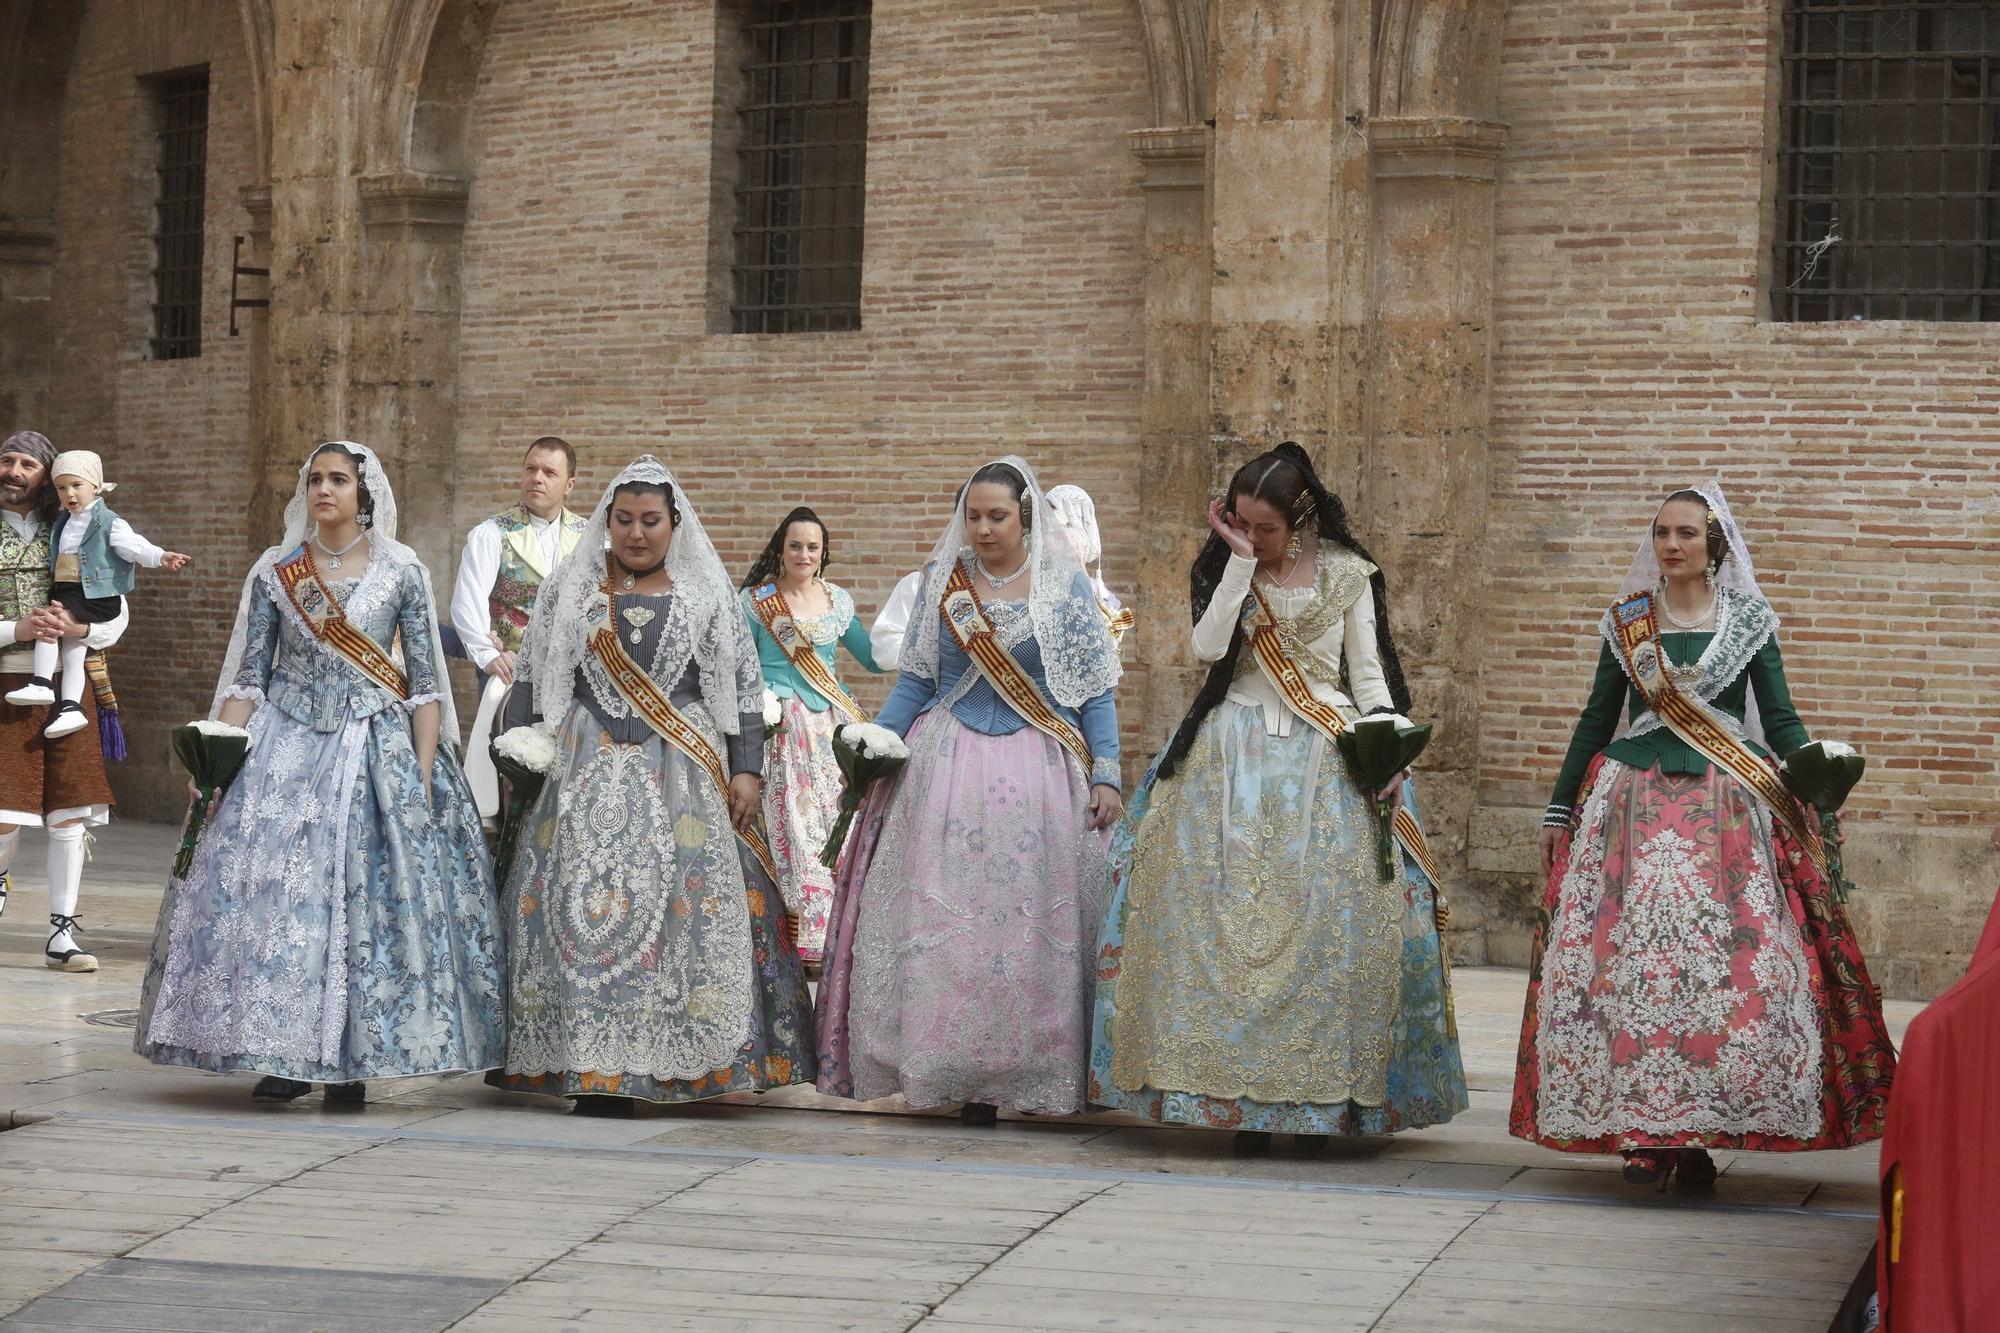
<point x="638" y="617"/>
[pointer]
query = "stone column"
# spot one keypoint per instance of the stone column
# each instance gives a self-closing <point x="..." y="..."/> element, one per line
<point x="27" y="328"/>
<point x="1429" y="409"/>
<point x="1179" y="463"/>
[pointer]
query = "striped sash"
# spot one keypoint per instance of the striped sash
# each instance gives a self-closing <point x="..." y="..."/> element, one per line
<point x="1291" y="682"/>
<point x="323" y="615"/>
<point x="1119" y="622"/>
<point x="966" y="620"/>
<point x="776" y="616"/>
<point x="638" y="690"/>
<point x="1636" y="630"/>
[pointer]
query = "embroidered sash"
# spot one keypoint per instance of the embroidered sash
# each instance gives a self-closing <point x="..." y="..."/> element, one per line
<point x="1297" y="692"/>
<point x="323" y="615"/>
<point x="1635" y="624"/>
<point x="776" y="615"/>
<point x="638" y="690"/>
<point x="966" y="620"/>
<point x="1119" y="622"/>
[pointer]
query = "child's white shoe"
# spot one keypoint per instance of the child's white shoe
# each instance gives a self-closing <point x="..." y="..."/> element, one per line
<point x="39" y="690"/>
<point x="68" y="718"/>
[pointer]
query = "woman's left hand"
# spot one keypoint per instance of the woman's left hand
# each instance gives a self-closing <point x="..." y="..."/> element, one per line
<point x="1393" y="793"/>
<point x="746" y="793"/>
<point x="1107" y="807"/>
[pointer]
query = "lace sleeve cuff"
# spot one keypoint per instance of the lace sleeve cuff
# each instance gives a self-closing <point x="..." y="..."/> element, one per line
<point x="416" y="701"/>
<point x="1104" y="772"/>
<point x="1559" y="816"/>
<point x="250" y="692"/>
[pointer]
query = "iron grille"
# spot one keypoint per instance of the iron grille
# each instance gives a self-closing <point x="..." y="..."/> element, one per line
<point x="181" y="101"/>
<point x="801" y="167"/>
<point x="1888" y="147"/>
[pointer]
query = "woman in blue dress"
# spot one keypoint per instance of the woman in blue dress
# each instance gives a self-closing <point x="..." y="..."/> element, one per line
<point x="337" y="922"/>
<point x="1256" y="971"/>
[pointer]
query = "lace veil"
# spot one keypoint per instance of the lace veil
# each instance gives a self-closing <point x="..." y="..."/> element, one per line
<point x="1077" y="513"/>
<point x="384" y="548"/>
<point x="704" y="622"/>
<point x="1738" y="575"/>
<point x="1076" y="648"/>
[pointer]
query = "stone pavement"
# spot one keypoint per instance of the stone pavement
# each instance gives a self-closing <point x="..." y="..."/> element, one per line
<point x="142" y="1198"/>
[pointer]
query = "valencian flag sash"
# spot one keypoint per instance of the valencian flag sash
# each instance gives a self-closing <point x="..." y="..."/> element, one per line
<point x="323" y="615"/>
<point x="776" y="616"/>
<point x="1291" y="683"/>
<point x="966" y="620"/>
<point x="1636" y="631"/>
<point x="638" y="690"/>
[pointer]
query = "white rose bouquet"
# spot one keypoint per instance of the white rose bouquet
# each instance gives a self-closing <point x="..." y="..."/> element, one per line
<point x="774" y="716"/>
<point x="525" y="756"/>
<point x="865" y="753"/>
<point x="213" y="754"/>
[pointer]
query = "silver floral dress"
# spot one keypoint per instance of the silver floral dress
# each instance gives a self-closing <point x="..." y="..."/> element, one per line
<point x="338" y="922"/>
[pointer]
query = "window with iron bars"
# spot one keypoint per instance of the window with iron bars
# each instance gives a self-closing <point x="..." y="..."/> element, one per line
<point x="801" y="166"/>
<point x="180" y="104"/>
<point x="1889" y="162"/>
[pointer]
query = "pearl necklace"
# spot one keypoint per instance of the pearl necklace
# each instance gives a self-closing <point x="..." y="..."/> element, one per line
<point x="1667" y="611"/>
<point x="998" y="583"/>
<point x="333" y="556"/>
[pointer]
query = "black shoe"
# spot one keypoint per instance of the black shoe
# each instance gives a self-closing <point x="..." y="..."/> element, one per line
<point x="1253" y="1140"/>
<point x="979" y="1113"/>
<point x="1314" y="1143"/>
<point x="346" y="1096"/>
<point x="611" y="1108"/>
<point x="272" y="1089"/>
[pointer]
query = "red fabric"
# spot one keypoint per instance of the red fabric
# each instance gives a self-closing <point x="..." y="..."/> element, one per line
<point x="1859" y="1061"/>
<point x="1944" y="1134"/>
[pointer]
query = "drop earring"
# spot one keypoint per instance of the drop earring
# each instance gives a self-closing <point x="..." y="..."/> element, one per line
<point x="1294" y="546"/>
<point x="1708" y="577"/>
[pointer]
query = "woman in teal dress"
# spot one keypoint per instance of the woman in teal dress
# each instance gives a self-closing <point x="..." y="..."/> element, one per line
<point x="787" y="596"/>
<point x="1256" y="971"/>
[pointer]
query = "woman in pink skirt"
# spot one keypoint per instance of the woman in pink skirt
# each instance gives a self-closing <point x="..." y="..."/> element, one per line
<point x="959" y="964"/>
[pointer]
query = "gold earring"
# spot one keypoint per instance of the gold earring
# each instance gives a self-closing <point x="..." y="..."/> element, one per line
<point x="1294" y="546"/>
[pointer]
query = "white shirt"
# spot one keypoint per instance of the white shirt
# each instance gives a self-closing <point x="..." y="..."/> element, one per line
<point x="17" y="658"/>
<point x="885" y="637"/>
<point x="124" y="540"/>
<point x="471" y="604"/>
<point x="1353" y="633"/>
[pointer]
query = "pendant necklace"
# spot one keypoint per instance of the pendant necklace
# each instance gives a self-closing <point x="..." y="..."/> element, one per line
<point x="998" y="583"/>
<point x="333" y="556"/>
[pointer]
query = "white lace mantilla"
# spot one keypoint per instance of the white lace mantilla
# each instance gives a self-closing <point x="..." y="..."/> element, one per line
<point x="1744" y="623"/>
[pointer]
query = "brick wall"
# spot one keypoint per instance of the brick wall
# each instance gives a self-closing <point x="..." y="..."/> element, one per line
<point x="173" y="433"/>
<point x="1862" y="460"/>
<point x="1002" y="279"/>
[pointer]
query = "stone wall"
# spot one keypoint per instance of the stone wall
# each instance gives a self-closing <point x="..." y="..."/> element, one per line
<point x="1860" y="459"/>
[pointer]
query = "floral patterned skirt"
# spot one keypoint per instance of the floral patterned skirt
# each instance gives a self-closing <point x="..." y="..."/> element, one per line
<point x="646" y="955"/>
<point x="802" y="786"/>
<point x="961" y="948"/>
<point x="1694" y="983"/>
<point x="1255" y="970"/>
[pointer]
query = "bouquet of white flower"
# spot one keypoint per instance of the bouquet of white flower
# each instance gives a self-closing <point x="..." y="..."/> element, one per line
<point x="1822" y="774"/>
<point x="213" y="754"/>
<point x="525" y="756"/>
<point x="774" y="716"/>
<point x="1377" y="749"/>
<point x="865" y="752"/>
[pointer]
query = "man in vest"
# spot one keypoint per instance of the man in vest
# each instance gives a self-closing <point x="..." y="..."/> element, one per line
<point x="58" y="785"/>
<point x="506" y="558"/>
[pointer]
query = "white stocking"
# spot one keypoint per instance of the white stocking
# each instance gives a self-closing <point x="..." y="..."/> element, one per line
<point x="73" y="674"/>
<point x="65" y="879"/>
<point x="45" y="659"/>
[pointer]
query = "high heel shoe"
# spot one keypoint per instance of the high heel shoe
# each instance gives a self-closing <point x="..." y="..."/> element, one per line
<point x="1250" y="1141"/>
<point x="979" y="1113"/>
<point x="1649" y="1166"/>
<point x="1697" y="1168"/>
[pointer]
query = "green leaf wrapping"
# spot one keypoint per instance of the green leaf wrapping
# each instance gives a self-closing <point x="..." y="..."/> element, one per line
<point x="213" y="762"/>
<point x="1822" y="780"/>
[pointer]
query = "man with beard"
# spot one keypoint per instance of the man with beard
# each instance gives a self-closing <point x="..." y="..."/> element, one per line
<point x="56" y="784"/>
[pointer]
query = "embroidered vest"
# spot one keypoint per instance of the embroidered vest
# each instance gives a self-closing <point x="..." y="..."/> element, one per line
<point x="24" y="572"/>
<point x="102" y="571"/>
<point x="521" y="573"/>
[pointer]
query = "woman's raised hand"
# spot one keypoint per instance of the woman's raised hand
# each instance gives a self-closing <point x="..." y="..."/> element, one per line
<point x="1225" y="527"/>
